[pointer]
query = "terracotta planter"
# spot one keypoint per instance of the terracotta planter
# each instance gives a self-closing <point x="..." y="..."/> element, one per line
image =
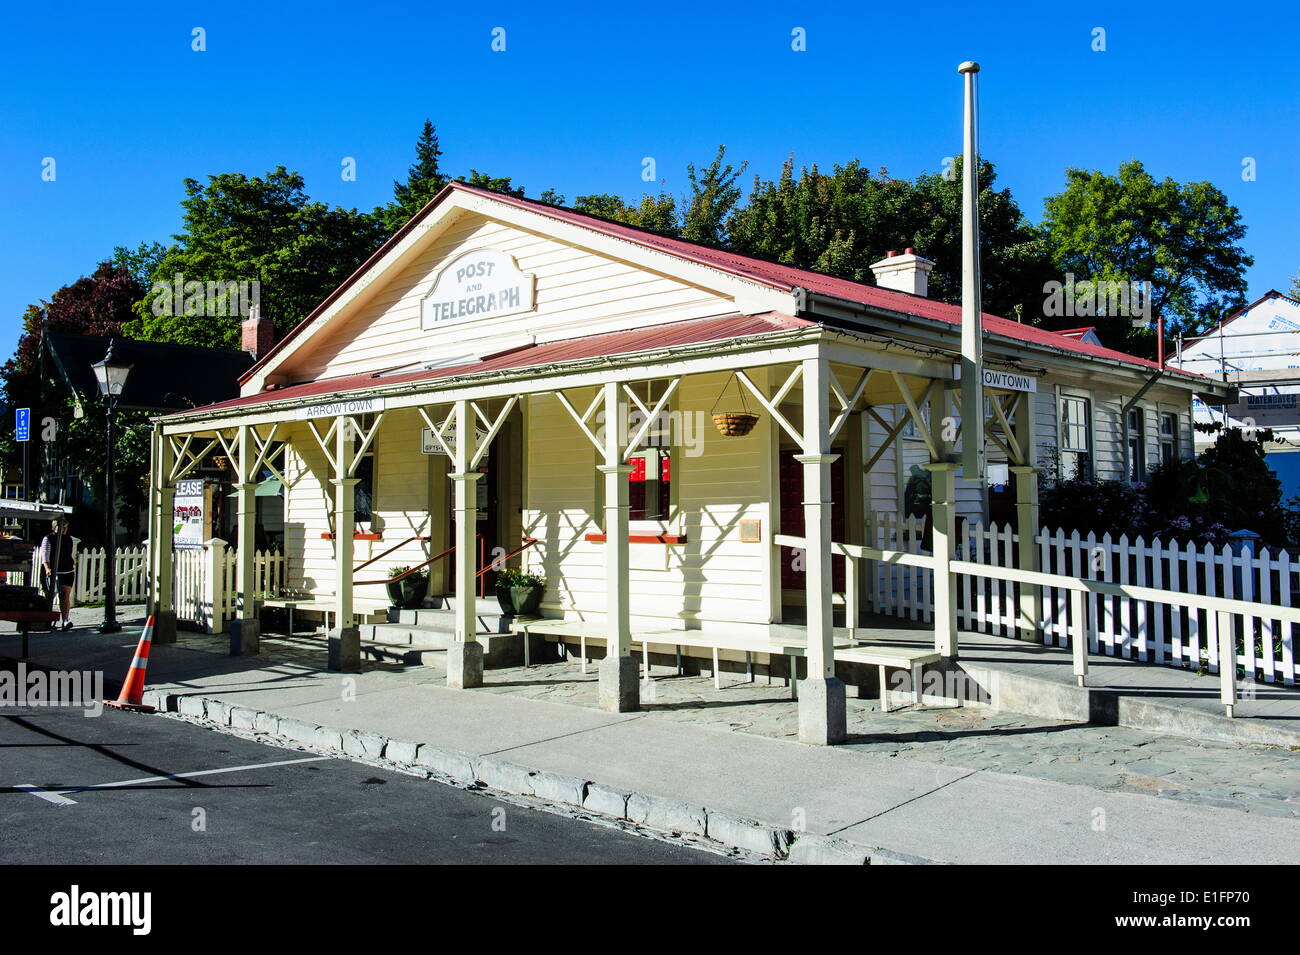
<point x="734" y="424"/>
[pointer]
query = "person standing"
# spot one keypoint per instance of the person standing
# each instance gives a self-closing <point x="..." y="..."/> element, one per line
<point x="57" y="562"/>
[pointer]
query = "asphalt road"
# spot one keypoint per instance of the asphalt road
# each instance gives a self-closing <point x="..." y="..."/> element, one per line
<point x="307" y="809"/>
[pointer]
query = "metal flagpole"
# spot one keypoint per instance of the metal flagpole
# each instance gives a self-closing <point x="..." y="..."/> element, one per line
<point x="972" y="340"/>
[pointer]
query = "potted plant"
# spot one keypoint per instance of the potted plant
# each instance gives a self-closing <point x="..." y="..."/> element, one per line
<point x="519" y="593"/>
<point x="411" y="590"/>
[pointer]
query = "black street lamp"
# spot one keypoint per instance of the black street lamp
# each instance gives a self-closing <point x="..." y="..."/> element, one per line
<point x="111" y="374"/>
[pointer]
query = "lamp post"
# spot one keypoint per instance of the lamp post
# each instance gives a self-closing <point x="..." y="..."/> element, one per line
<point x="110" y="374"/>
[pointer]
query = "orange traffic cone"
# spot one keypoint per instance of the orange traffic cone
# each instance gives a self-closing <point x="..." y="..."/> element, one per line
<point x="133" y="689"/>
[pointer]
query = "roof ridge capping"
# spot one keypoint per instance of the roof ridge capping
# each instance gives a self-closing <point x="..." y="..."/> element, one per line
<point x="785" y="277"/>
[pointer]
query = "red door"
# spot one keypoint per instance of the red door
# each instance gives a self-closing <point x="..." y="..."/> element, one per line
<point x="791" y="479"/>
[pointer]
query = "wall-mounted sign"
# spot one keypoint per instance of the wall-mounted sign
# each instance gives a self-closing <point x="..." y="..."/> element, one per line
<point x="1003" y="380"/>
<point x="190" y="509"/>
<point x="483" y="283"/>
<point x="1266" y="411"/>
<point x="430" y="445"/>
<point x="342" y="407"/>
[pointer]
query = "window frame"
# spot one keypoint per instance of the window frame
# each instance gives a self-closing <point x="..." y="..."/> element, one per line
<point x="1088" y="453"/>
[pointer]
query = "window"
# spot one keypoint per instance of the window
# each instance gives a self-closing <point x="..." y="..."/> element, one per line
<point x="649" y="485"/>
<point x="1076" y="438"/>
<point x="1168" y="438"/>
<point x="1136" y="438"/>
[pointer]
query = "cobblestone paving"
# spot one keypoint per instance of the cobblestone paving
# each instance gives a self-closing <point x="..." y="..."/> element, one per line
<point x="1262" y="779"/>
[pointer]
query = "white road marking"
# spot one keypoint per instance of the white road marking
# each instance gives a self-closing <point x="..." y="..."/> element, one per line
<point x="59" y="797"/>
<point x="201" y="772"/>
<point x="40" y="793"/>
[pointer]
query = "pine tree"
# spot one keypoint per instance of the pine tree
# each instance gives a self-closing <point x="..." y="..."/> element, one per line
<point x="424" y="180"/>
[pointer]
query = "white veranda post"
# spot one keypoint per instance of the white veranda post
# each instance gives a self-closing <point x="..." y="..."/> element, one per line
<point x="822" y="714"/>
<point x="619" y="691"/>
<point x="465" y="653"/>
<point x="162" y="539"/>
<point x="244" y="629"/>
<point x="345" y="638"/>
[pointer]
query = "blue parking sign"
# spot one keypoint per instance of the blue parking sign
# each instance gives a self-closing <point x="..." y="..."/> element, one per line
<point x="23" y="423"/>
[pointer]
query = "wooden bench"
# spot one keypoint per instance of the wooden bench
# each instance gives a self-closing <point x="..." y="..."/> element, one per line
<point x="912" y="659"/>
<point x="325" y="603"/>
<point x="908" y="658"/>
<point x="748" y="644"/>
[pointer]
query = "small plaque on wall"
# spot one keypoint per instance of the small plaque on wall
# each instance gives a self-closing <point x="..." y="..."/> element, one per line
<point x="751" y="532"/>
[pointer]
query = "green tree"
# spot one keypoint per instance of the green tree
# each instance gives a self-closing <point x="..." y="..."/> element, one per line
<point x="1129" y="227"/>
<point x="492" y="183"/>
<point x="1295" y="286"/>
<point x="140" y="262"/>
<point x="714" y="197"/>
<point x="840" y="223"/>
<point x="424" y="180"/>
<point x="657" y="213"/>
<point x="261" y="229"/>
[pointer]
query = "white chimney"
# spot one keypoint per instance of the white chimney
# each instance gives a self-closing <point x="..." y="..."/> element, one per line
<point x="908" y="272"/>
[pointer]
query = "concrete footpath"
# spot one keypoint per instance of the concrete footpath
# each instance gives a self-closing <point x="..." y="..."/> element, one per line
<point x="772" y="796"/>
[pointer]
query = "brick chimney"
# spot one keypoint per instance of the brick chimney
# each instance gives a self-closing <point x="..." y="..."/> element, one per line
<point x="257" y="334"/>
<point x="904" y="273"/>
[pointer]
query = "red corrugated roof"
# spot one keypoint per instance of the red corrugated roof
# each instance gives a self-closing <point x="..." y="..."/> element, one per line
<point x="570" y="349"/>
<point x="778" y="276"/>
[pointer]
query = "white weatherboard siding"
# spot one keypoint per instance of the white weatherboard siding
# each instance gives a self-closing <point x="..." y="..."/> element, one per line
<point x="578" y="293"/>
<point x="710" y="577"/>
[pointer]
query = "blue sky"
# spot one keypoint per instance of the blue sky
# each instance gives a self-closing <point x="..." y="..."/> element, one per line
<point x="582" y="93"/>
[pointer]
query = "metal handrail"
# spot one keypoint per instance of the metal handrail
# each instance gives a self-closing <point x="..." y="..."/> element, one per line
<point x="411" y="570"/>
<point x="409" y="540"/>
<point x="527" y="543"/>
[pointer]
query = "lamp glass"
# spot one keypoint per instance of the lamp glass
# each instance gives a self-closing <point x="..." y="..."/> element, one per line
<point x="111" y="374"/>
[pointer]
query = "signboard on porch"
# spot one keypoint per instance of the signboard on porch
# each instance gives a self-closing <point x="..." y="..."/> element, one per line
<point x="191" y="508"/>
<point x="1003" y="380"/>
<point x="430" y="445"/>
<point x="335" y="408"/>
<point x="484" y="283"/>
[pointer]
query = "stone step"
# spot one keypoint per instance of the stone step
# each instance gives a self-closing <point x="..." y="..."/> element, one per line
<point x="407" y="635"/>
<point x="489" y="615"/>
<point x="403" y="655"/>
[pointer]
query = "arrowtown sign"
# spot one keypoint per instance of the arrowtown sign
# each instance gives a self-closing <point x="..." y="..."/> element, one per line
<point x="483" y="283"/>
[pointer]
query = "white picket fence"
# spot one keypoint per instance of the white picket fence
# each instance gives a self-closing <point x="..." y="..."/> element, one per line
<point x="203" y="582"/>
<point x="1136" y="629"/>
<point x="131" y="566"/>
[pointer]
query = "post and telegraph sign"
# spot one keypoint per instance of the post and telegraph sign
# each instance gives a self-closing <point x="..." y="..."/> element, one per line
<point x="480" y="284"/>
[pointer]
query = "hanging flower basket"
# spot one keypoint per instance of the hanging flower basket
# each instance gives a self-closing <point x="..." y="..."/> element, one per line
<point x="733" y="424"/>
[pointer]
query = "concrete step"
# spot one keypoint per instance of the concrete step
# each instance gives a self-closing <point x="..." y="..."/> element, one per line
<point x="448" y="602"/>
<point x="420" y="644"/>
<point x="408" y="634"/>
<point x="403" y="655"/>
<point x="489" y="615"/>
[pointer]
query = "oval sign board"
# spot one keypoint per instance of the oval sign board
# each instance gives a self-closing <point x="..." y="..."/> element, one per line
<point x="480" y="284"/>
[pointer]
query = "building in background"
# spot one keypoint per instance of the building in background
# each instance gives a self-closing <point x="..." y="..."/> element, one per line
<point x="165" y="378"/>
<point x="1257" y="349"/>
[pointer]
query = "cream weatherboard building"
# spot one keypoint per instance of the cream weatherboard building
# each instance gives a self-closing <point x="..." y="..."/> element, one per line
<point x="523" y="382"/>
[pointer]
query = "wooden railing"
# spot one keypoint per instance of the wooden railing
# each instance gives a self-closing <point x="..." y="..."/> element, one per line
<point x="1224" y="616"/>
